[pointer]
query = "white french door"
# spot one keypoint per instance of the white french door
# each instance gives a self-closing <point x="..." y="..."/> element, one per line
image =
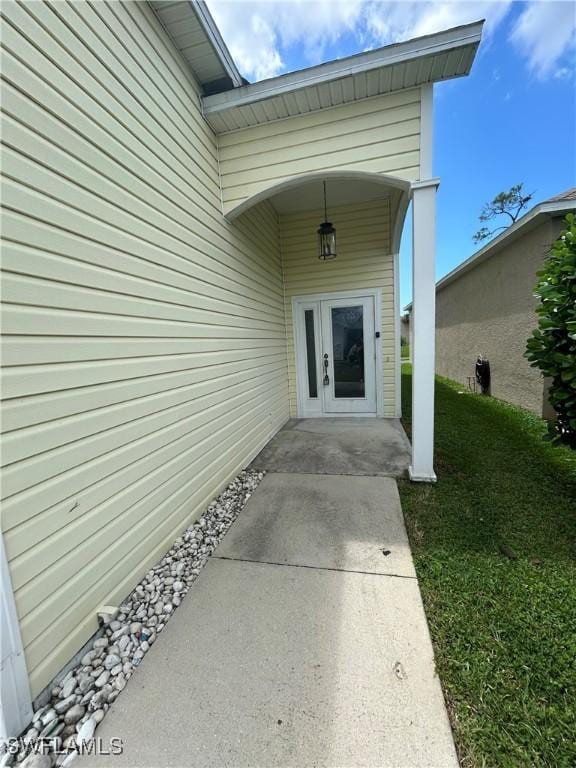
<point x="336" y="355"/>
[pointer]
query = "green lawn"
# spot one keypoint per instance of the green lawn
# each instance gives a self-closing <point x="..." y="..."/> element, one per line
<point x="494" y="543"/>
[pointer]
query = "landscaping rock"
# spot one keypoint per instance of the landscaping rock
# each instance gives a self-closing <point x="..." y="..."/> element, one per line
<point x="88" y="658"/>
<point x="69" y="688"/>
<point x="86" y="732"/>
<point x="49" y="716"/>
<point x="103" y="679"/>
<point x="62" y="706"/>
<point x="74" y="714"/>
<point x="37" y="761"/>
<point x="111" y="661"/>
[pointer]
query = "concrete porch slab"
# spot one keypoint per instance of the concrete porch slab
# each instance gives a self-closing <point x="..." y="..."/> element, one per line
<point x="267" y="665"/>
<point x="338" y="446"/>
<point x="323" y="521"/>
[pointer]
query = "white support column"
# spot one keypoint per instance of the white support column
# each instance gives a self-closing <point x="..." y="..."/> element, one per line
<point x="397" y="341"/>
<point x="398" y="216"/>
<point x="423" y="328"/>
<point x="15" y="702"/>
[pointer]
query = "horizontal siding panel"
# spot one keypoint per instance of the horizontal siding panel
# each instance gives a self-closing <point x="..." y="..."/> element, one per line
<point x="84" y="481"/>
<point x="110" y="517"/>
<point x="40" y="292"/>
<point x="68" y="47"/>
<point x="115" y="131"/>
<point x="103" y="381"/>
<point x="188" y="261"/>
<point x="324" y="144"/>
<point x="18" y="476"/>
<point x="64" y="272"/>
<point x="377" y="135"/>
<point x="62" y="150"/>
<point x="70" y="195"/>
<point x="44" y="437"/>
<point x="312" y="120"/>
<point x="144" y="346"/>
<point x="174" y="441"/>
<point x="404" y="165"/>
<point x="151" y="54"/>
<point x="26" y="237"/>
<point x="334" y="154"/>
<point x="23" y="320"/>
<point x="382" y="121"/>
<point x="29" y="350"/>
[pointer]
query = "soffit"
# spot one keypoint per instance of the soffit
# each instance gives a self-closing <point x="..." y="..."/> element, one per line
<point x="309" y="196"/>
<point x="196" y="36"/>
<point x="428" y="59"/>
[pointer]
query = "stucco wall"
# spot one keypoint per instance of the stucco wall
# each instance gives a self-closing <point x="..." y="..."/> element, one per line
<point x="490" y="310"/>
<point x="364" y="261"/>
<point x="145" y="341"/>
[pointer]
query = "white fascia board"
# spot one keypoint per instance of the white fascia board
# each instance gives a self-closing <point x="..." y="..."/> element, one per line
<point x="204" y="16"/>
<point x="527" y="222"/>
<point x="441" y="42"/>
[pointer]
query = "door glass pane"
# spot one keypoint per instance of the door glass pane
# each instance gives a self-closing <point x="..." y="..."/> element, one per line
<point x="348" y="351"/>
<point x="311" y="353"/>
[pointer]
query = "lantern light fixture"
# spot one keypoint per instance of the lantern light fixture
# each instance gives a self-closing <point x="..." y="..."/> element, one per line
<point x="326" y="236"/>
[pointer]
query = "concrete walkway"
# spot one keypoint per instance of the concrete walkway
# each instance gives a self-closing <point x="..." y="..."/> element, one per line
<point x="302" y="643"/>
<point x="338" y="446"/>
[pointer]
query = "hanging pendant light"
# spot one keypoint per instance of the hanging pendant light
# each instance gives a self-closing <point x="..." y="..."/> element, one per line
<point x="326" y="236"/>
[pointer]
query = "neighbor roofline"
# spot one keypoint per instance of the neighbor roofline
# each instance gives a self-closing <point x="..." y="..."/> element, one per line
<point x="527" y="222"/>
<point x="216" y="40"/>
<point x="397" y="53"/>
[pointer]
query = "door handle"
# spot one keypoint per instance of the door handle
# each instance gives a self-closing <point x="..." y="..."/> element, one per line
<point x="326" y="378"/>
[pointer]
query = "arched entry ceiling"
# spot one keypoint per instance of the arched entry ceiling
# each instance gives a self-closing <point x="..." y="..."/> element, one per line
<point x="306" y="193"/>
<point x="309" y="196"/>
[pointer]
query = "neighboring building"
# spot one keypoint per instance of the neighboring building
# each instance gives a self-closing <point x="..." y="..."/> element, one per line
<point x="486" y="306"/>
<point x="165" y="307"/>
<point x="405" y="333"/>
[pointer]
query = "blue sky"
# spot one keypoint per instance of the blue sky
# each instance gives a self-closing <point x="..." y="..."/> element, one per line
<point x="512" y="120"/>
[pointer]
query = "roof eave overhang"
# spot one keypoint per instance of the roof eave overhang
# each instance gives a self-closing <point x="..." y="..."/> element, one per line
<point x="520" y="227"/>
<point x="225" y="73"/>
<point x="467" y="36"/>
<point x="216" y="40"/>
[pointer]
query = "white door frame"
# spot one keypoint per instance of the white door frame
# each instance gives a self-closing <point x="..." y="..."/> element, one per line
<point x="306" y="408"/>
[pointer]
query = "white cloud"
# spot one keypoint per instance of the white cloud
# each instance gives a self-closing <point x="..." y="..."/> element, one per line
<point x="256" y="32"/>
<point x="393" y="21"/>
<point x="261" y="34"/>
<point x="545" y="32"/>
<point x="251" y="39"/>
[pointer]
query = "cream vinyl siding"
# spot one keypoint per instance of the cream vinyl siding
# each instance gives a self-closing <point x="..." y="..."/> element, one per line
<point x="145" y="344"/>
<point x="380" y="135"/>
<point x="363" y="261"/>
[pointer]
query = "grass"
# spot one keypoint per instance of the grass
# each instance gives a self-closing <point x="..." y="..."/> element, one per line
<point x="494" y="542"/>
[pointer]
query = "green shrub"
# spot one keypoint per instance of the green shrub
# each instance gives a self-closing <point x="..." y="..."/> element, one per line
<point x="552" y="347"/>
